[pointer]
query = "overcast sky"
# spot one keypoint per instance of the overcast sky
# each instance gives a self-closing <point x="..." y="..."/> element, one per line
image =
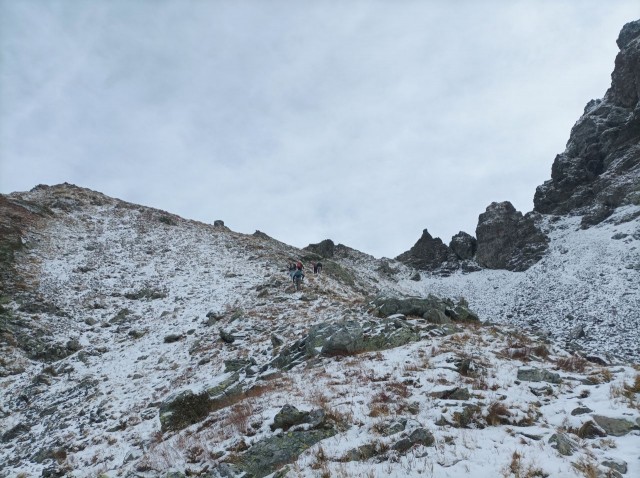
<point x="363" y="122"/>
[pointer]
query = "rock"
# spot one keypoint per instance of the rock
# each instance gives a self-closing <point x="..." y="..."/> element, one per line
<point x="227" y="337"/>
<point x="218" y="223"/>
<point x="429" y="254"/>
<point x="325" y="248"/>
<point x="361" y="453"/>
<point x="563" y="443"/>
<point x="261" y="235"/>
<point x="287" y="417"/>
<point x="346" y="337"/>
<point x="184" y="409"/>
<point x="431" y="308"/>
<point x="538" y="375"/>
<point x="393" y="427"/>
<point x="615" y="426"/>
<point x="270" y="454"/>
<point x="73" y="345"/>
<point x="416" y="277"/>
<point x="214" y="317"/>
<point x="577" y="333"/>
<point x="597" y="172"/>
<point x="580" y="411"/>
<point x="456" y="393"/>
<point x="597" y="360"/>
<point x="234" y="365"/>
<point x="16" y="431"/>
<point x="469" y="417"/>
<point x="508" y="240"/>
<point x="171" y="338"/>
<point x="545" y="391"/>
<point x="463" y="245"/>
<point x="616" y="464"/>
<point x="188" y="407"/>
<point x="419" y="436"/>
<point x="590" y="430"/>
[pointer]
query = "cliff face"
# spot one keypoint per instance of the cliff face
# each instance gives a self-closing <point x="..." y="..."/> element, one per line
<point x="600" y="168"/>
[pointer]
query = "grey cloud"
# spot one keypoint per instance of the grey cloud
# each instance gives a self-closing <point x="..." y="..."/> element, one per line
<point x="364" y="122"/>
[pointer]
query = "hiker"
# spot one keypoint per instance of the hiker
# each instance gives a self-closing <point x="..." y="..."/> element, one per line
<point x="317" y="267"/>
<point x="292" y="269"/>
<point x="297" y="273"/>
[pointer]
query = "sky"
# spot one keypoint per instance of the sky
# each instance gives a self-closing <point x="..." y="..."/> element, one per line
<point x="362" y="122"/>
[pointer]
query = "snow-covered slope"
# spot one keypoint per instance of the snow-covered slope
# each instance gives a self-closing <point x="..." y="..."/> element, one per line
<point x="118" y="310"/>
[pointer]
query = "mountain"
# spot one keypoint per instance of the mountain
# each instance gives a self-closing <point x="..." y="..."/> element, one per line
<point x="598" y="172"/>
<point x="136" y="343"/>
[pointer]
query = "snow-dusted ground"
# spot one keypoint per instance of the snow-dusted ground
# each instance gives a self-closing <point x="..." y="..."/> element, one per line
<point x="588" y="278"/>
<point x="97" y="410"/>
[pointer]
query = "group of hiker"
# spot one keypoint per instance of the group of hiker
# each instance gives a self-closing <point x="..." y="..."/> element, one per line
<point x="296" y="270"/>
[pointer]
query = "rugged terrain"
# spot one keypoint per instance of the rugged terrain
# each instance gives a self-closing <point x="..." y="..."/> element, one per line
<point x="136" y="343"/>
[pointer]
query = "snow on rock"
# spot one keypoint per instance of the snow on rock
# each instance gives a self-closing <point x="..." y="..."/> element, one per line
<point x="119" y="317"/>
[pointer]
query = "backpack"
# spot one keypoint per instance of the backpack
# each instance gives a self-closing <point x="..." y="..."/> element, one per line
<point x="299" y="265"/>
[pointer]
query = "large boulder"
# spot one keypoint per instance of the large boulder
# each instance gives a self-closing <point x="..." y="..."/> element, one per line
<point x="346" y="337"/>
<point x="598" y="171"/>
<point x="429" y="254"/>
<point x="507" y="239"/>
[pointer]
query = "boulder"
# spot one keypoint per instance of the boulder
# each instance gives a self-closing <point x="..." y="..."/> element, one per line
<point x="419" y="436"/>
<point x="346" y="337"/>
<point x="563" y="443"/>
<point x="616" y="464"/>
<point x="463" y="245"/>
<point x="456" y="393"/>
<point x="287" y="417"/>
<point x="429" y="254"/>
<point x="590" y="430"/>
<point x="185" y="408"/>
<point x="538" y="375"/>
<point x="431" y="308"/>
<point x="507" y="239"/>
<point x="615" y="426"/>
<point x="270" y="454"/>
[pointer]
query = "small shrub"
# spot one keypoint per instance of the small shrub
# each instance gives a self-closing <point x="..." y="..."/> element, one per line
<point x="587" y="467"/>
<point x="517" y="469"/>
<point x="497" y="413"/>
<point x="400" y="389"/>
<point x="635" y="386"/>
<point x="572" y="364"/>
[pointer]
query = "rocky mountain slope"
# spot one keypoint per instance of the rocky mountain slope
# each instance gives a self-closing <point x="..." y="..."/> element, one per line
<point x="136" y="343"/>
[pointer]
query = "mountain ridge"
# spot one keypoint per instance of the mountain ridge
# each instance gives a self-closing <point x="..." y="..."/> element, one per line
<point x="136" y="343"/>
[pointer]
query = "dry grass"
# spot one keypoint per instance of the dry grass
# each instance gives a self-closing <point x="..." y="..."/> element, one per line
<point x="572" y="364"/>
<point x="518" y="469"/>
<point x="603" y="375"/>
<point x="497" y="414"/>
<point x="399" y="389"/>
<point x="587" y="467"/>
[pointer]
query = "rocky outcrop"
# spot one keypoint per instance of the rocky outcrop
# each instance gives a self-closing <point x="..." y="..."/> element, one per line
<point x="431" y="308"/>
<point x="347" y="337"/>
<point x="463" y="245"/>
<point x="324" y="248"/>
<point x="429" y="254"/>
<point x="507" y="239"/>
<point x="600" y="167"/>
